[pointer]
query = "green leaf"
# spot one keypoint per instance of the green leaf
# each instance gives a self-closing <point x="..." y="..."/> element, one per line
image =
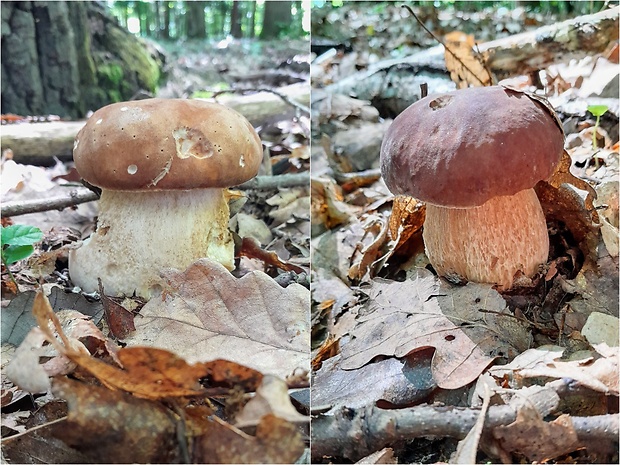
<point x="14" y="253"/>
<point x="598" y="110"/>
<point x="19" y="234"/>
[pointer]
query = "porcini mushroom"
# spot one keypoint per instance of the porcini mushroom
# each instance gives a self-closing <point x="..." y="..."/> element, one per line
<point x="163" y="166"/>
<point x="474" y="156"/>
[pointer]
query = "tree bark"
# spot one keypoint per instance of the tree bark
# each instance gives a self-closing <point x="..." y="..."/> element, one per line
<point x="235" y="21"/>
<point x="65" y="59"/>
<point x="278" y="18"/>
<point x="195" y="17"/>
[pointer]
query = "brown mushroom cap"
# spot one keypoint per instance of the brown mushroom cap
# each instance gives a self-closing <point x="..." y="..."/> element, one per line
<point x="167" y="144"/>
<point x="459" y="149"/>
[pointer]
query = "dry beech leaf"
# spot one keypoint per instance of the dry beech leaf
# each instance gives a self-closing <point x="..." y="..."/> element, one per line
<point x="407" y="218"/>
<point x="383" y="456"/>
<point x="396" y="382"/>
<point x="560" y="202"/>
<point x="402" y="317"/>
<point x="209" y="314"/>
<point x="119" y="319"/>
<point x="114" y="427"/>
<point x="271" y="398"/>
<point x="327" y="207"/>
<point x="536" y="439"/>
<point x="276" y="441"/>
<point x="147" y="372"/>
<point x="468" y="69"/>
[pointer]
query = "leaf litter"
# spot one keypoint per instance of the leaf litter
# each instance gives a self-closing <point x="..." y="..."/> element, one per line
<point x="162" y="393"/>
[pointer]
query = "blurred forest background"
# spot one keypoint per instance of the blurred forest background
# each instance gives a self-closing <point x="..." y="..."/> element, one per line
<point x="68" y="58"/>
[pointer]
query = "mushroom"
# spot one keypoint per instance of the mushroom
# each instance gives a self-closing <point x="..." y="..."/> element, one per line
<point x="474" y="156"/>
<point x="163" y="166"/>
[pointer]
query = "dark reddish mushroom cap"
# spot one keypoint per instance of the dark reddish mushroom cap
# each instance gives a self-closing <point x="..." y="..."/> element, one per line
<point x="159" y="144"/>
<point x="461" y="148"/>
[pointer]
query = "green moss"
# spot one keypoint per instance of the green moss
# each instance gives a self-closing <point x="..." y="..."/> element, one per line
<point x="135" y="58"/>
<point x="110" y="75"/>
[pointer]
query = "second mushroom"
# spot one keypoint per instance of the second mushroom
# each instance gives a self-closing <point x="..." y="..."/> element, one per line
<point x="163" y="166"/>
<point x="474" y="156"/>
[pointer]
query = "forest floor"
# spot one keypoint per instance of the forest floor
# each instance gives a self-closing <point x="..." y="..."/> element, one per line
<point x="407" y="366"/>
<point x="261" y="324"/>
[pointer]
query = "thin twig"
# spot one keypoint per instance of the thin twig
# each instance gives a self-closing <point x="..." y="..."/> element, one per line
<point x="23" y="433"/>
<point x="83" y="195"/>
<point x="442" y="43"/>
<point x="284" y="98"/>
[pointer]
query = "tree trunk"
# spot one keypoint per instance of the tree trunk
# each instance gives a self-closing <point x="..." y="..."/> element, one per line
<point x="39" y="65"/>
<point x="65" y="59"/>
<point x="278" y="18"/>
<point x="195" y="15"/>
<point x="235" y="20"/>
<point x="165" y="32"/>
<point x="252" y="27"/>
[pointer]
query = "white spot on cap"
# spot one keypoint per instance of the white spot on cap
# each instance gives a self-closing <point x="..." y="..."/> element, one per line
<point x="75" y="144"/>
<point x="242" y="161"/>
<point x="99" y="121"/>
<point x="124" y="108"/>
<point x="132" y="169"/>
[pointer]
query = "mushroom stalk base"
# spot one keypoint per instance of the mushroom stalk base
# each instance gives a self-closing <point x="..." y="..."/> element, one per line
<point x="140" y="233"/>
<point x="489" y="243"/>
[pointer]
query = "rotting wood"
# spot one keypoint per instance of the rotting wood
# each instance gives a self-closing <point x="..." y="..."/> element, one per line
<point x="82" y="195"/>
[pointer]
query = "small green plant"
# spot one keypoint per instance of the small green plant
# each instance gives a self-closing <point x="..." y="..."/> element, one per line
<point x="598" y="111"/>
<point x="17" y="243"/>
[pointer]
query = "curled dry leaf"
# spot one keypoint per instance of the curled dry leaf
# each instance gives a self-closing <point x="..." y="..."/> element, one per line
<point x="402" y="317"/>
<point x="209" y="314"/>
<point x="600" y="375"/>
<point x="466" y="67"/>
<point x="251" y="248"/>
<point x="114" y="427"/>
<point x="392" y="381"/>
<point x="276" y="441"/>
<point x="327" y="208"/>
<point x="271" y="398"/>
<point x="537" y="439"/>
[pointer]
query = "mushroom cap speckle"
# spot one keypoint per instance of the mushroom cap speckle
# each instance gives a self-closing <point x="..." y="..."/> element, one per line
<point x="163" y="144"/>
<point x="461" y="148"/>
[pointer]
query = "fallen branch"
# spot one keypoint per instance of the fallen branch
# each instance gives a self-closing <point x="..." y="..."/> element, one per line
<point x="24" y="207"/>
<point x="284" y="98"/>
<point x="82" y="195"/>
<point x="354" y="433"/>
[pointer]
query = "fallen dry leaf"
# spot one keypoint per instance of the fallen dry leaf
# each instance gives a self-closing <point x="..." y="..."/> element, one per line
<point x="276" y="441"/>
<point x="600" y="375"/>
<point x="209" y="314"/>
<point x="401" y="317"/>
<point x="271" y="398"/>
<point x="114" y="427"/>
<point x="537" y="439"/>
<point x="393" y="381"/>
<point x="251" y="248"/>
<point x="118" y="318"/>
<point x="466" y="67"/>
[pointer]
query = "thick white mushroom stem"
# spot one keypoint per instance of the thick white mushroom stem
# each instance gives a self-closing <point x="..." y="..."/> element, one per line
<point x="140" y="233"/>
<point x="489" y="243"/>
